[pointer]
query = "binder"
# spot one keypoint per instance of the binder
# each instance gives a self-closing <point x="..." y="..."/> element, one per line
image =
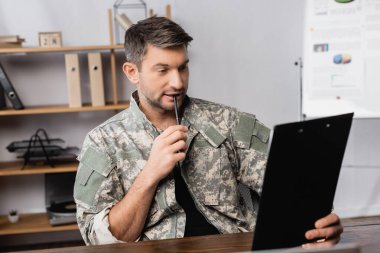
<point x="9" y="90"/>
<point x="96" y="79"/>
<point x="73" y="80"/>
<point x="2" y="97"/>
<point x="124" y="21"/>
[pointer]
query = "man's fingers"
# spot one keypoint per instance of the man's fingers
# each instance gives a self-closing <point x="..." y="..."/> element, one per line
<point x="178" y="146"/>
<point x="326" y="233"/>
<point x="321" y="243"/>
<point x="175" y="137"/>
<point x="329" y="232"/>
<point x="329" y="220"/>
<point x="168" y="131"/>
<point x="179" y="156"/>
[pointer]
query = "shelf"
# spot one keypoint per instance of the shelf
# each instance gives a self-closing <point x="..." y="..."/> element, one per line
<point x="14" y="169"/>
<point x="61" y="109"/>
<point x="31" y="223"/>
<point x="59" y="49"/>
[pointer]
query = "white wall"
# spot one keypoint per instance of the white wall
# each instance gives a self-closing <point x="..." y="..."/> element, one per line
<point x="242" y="55"/>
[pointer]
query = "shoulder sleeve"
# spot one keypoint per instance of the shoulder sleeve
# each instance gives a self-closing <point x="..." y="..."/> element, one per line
<point x="97" y="188"/>
<point x="95" y="166"/>
<point x="249" y="133"/>
<point x="250" y="139"/>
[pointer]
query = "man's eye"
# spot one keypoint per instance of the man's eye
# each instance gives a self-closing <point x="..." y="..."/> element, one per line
<point x="183" y="68"/>
<point x="162" y="71"/>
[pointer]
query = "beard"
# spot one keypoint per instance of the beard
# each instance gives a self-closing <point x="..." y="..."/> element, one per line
<point x="157" y="104"/>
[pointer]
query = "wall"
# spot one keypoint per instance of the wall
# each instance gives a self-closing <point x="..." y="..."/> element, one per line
<point x="242" y="55"/>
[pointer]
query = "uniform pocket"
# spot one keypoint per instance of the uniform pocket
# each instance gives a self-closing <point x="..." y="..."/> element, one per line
<point x="87" y="184"/>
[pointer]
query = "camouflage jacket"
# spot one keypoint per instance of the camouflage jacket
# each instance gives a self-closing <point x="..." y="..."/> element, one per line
<point x="225" y="148"/>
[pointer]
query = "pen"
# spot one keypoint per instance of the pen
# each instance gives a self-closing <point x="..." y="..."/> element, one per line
<point x="177" y="119"/>
<point x="176" y="111"/>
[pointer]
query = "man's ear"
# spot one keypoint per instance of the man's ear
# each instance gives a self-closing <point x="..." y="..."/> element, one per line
<point x="132" y="72"/>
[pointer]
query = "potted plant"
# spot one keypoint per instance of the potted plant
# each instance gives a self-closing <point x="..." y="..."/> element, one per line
<point x="13" y="216"/>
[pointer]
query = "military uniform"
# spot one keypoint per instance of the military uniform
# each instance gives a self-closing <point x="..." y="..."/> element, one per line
<point x="225" y="148"/>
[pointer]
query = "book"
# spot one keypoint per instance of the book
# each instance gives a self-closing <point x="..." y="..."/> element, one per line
<point x="10" y="45"/>
<point x="9" y="90"/>
<point x="123" y="21"/>
<point x="11" y="39"/>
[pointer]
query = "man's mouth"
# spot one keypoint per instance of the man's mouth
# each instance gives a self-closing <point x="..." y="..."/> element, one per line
<point x="177" y="95"/>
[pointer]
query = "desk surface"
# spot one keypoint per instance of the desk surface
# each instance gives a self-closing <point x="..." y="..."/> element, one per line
<point x="365" y="232"/>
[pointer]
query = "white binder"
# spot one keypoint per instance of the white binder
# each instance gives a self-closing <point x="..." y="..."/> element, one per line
<point x="96" y="79"/>
<point x="73" y="80"/>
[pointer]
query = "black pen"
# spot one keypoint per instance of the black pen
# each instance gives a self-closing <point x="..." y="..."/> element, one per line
<point x="176" y="111"/>
<point x="177" y="119"/>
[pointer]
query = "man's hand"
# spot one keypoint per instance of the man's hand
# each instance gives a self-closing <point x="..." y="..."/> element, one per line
<point x="168" y="149"/>
<point x="127" y="218"/>
<point x="326" y="233"/>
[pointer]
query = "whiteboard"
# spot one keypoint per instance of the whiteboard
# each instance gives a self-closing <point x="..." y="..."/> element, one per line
<point x="341" y="58"/>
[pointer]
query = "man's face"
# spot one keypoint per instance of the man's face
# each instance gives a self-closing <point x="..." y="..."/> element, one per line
<point x="163" y="74"/>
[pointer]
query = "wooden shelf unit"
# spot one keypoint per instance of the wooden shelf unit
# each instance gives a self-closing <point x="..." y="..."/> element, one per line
<point x="14" y="169"/>
<point x="111" y="49"/>
<point x="62" y="109"/>
<point x="23" y="50"/>
<point x="39" y="222"/>
<point x="31" y="223"/>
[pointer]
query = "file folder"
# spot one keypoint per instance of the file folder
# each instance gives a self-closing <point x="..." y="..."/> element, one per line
<point x="73" y="80"/>
<point x="9" y="90"/>
<point x="96" y="79"/>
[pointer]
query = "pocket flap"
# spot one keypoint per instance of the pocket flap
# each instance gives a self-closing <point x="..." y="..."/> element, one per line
<point x="213" y="136"/>
<point x="244" y="130"/>
<point x="247" y="127"/>
<point x="84" y="174"/>
<point x="261" y="132"/>
<point x="97" y="161"/>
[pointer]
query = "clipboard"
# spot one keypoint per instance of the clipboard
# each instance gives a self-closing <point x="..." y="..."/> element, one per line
<point x="339" y="248"/>
<point x="300" y="180"/>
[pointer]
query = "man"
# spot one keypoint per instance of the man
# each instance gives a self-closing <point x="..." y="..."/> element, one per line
<point x="142" y="176"/>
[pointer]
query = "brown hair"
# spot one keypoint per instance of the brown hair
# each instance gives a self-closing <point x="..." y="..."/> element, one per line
<point x="156" y="31"/>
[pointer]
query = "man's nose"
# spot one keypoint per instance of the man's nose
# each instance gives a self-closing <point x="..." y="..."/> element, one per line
<point x="176" y="80"/>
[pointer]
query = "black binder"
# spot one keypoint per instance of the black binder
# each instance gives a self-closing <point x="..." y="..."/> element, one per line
<point x="9" y="90"/>
<point x="2" y="97"/>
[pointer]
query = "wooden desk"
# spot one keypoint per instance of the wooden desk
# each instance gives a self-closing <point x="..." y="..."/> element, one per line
<point x="365" y="232"/>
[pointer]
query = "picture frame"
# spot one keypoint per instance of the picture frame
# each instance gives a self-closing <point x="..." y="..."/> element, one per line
<point x="50" y="39"/>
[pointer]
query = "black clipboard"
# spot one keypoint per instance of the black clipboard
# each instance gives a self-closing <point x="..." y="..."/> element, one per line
<point x="300" y="180"/>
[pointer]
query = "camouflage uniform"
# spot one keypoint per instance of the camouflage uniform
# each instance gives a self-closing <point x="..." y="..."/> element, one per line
<point x="226" y="147"/>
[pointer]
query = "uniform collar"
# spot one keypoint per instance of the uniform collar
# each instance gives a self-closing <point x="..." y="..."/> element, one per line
<point x="196" y="119"/>
<point x="200" y="120"/>
<point x="140" y="117"/>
